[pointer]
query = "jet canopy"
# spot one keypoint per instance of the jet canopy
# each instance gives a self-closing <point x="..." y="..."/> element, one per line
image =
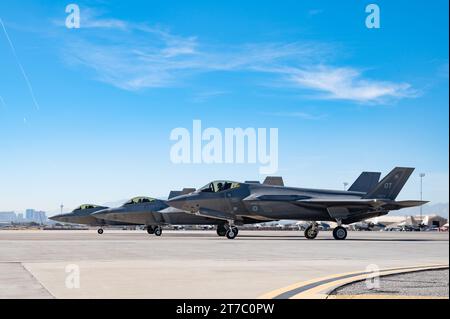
<point x="86" y="206"/>
<point x="139" y="200"/>
<point x="218" y="186"/>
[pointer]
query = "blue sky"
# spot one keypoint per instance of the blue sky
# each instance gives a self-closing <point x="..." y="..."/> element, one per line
<point x="89" y="118"/>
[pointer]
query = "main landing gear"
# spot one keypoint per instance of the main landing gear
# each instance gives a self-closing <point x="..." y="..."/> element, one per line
<point x="154" y="230"/>
<point x="100" y="231"/>
<point x="340" y="233"/>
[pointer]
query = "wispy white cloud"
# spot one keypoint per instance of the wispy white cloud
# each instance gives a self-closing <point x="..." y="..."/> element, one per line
<point x="345" y="83"/>
<point x="206" y="95"/>
<point x="91" y="18"/>
<point x="137" y="56"/>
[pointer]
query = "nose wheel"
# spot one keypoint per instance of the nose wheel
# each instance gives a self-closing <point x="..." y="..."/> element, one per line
<point x="340" y="233"/>
<point x="312" y="231"/>
<point x="158" y="231"/>
<point x="100" y="231"/>
<point x="232" y="232"/>
<point x="154" y="230"/>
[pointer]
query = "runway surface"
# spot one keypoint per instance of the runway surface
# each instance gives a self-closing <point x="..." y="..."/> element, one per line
<point x="194" y="264"/>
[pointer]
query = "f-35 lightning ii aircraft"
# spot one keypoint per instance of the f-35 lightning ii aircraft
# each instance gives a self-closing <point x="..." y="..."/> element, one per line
<point x="83" y="215"/>
<point x="234" y="202"/>
<point x="155" y="213"/>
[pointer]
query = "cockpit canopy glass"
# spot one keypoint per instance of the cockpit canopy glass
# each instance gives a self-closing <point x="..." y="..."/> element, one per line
<point x="139" y="200"/>
<point x="218" y="186"/>
<point x="86" y="206"/>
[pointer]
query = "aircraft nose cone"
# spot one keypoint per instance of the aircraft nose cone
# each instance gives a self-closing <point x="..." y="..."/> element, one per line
<point x="59" y="218"/>
<point x="55" y="218"/>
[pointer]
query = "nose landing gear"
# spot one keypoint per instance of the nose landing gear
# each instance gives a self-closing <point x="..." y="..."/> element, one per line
<point x="232" y="232"/>
<point x="154" y="230"/>
<point x="158" y="231"/>
<point x="312" y="231"/>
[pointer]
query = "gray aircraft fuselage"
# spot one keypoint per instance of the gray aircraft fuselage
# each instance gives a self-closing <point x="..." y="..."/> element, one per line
<point x="83" y="216"/>
<point x="273" y="208"/>
<point x="152" y="213"/>
<point x="235" y="201"/>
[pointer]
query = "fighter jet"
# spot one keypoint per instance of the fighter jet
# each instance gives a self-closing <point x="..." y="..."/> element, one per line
<point x="366" y="225"/>
<point x="83" y="215"/>
<point x="234" y="202"/>
<point x="155" y="213"/>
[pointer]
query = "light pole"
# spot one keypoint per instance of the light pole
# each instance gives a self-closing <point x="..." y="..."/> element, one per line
<point x="422" y="175"/>
<point x="61" y="206"/>
<point x="345" y="186"/>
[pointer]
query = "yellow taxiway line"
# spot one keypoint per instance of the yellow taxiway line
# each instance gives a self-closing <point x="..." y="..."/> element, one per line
<point x="320" y="288"/>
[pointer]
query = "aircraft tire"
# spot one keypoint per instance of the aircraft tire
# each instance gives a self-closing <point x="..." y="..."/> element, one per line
<point x="100" y="231"/>
<point x="232" y="233"/>
<point x="150" y="230"/>
<point x="158" y="231"/>
<point x="221" y="231"/>
<point x="340" y="233"/>
<point x="310" y="233"/>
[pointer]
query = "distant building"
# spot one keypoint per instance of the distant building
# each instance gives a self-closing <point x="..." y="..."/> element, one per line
<point x="29" y="214"/>
<point x="8" y="217"/>
<point x="433" y="220"/>
<point x="40" y="217"/>
<point x="35" y="216"/>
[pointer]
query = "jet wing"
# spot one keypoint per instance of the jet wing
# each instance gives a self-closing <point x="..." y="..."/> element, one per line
<point x="347" y="202"/>
<point x="404" y="204"/>
<point x="362" y="203"/>
<point x="308" y="201"/>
